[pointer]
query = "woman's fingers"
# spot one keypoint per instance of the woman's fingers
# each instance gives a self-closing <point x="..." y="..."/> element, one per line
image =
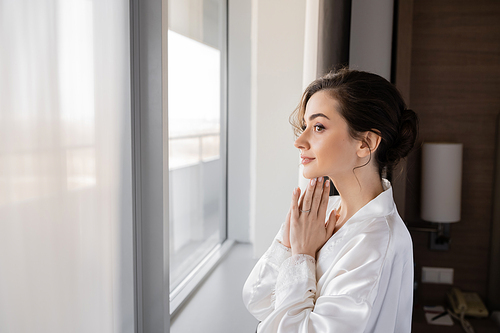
<point x="307" y="200"/>
<point x="313" y="195"/>
<point x="301" y="199"/>
<point x="294" y="207"/>
<point x="318" y="193"/>
<point x="293" y="215"/>
<point x="286" y="230"/>
<point x="332" y="221"/>
<point x="324" y="199"/>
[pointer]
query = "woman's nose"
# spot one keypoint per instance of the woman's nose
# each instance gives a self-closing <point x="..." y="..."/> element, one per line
<point x="301" y="142"/>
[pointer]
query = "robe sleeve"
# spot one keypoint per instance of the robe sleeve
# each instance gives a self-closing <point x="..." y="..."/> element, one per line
<point x="259" y="289"/>
<point x="346" y="297"/>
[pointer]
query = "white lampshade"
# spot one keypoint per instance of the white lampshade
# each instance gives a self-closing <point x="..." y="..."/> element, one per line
<point x="441" y="182"/>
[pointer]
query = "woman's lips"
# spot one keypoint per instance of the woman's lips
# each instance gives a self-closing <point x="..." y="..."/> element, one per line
<point x="306" y="160"/>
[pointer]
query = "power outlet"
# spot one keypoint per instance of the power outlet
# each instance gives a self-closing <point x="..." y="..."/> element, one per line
<point x="437" y="275"/>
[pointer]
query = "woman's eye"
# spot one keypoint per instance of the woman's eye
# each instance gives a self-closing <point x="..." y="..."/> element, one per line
<point x="318" y="128"/>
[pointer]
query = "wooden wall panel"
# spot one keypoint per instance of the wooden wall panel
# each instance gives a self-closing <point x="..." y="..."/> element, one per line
<point x="455" y="89"/>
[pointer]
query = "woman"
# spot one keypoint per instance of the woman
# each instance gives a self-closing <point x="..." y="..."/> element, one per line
<point x="342" y="263"/>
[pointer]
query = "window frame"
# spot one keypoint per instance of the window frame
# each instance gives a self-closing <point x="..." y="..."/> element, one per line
<point x="148" y="61"/>
<point x="154" y="304"/>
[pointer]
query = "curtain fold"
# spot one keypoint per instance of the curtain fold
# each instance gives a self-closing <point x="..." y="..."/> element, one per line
<point x="65" y="167"/>
<point x="333" y="35"/>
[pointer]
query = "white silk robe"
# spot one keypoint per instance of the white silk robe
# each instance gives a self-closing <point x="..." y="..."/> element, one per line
<point x="362" y="280"/>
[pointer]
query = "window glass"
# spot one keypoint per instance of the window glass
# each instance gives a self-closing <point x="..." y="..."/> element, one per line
<point x="196" y="57"/>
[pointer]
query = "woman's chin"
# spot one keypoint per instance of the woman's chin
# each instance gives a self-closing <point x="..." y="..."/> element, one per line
<point x="310" y="175"/>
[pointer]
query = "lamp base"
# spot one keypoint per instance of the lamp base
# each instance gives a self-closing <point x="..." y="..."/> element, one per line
<point x="440" y="240"/>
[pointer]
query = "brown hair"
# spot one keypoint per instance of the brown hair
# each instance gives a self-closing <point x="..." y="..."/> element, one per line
<point x="368" y="102"/>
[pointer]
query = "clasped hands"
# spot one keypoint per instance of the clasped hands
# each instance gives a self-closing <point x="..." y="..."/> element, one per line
<point x="305" y="230"/>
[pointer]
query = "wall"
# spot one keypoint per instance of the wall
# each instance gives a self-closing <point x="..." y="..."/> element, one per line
<point x="455" y="89"/>
<point x="371" y="36"/>
<point x="277" y="59"/>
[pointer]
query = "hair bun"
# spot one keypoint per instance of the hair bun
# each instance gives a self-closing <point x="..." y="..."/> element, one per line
<point x="408" y="129"/>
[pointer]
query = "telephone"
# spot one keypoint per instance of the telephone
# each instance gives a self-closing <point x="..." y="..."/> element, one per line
<point x="468" y="303"/>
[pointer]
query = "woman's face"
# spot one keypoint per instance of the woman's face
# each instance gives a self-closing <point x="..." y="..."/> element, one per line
<point x="326" y="148"/>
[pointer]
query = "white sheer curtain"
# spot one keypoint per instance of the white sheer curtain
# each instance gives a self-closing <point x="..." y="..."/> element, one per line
<point x="65" y="167"/>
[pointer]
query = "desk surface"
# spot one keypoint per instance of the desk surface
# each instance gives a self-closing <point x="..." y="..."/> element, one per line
<point x="419" y="324"/>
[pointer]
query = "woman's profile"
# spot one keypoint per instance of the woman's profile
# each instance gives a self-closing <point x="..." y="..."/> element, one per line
<point x="341" y="263"/>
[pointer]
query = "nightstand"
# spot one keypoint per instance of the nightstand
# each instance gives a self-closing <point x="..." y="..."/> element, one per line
<point x="419" y="324"/>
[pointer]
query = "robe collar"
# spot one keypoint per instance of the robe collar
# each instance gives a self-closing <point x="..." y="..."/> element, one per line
<point x="381" y="206"/>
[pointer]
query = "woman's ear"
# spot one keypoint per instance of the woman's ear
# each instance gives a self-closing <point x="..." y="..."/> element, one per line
<point x="369" y="143"/>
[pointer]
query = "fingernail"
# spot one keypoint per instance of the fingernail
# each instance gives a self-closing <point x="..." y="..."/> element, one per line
<point x="313" y="181"/>
<point x="294" y="191"/>
<point x="320" y="179"/>
<point x="327" y="183"/>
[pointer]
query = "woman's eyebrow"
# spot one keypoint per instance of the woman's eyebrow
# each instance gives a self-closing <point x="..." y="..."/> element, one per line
<point x="316" y="115"/>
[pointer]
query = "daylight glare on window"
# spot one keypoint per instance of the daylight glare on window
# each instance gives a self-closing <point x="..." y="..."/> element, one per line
<point x="193" y="101"/>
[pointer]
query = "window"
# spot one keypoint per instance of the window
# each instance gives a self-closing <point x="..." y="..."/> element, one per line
<point x="81" y="160"/>
<point x="196" y="126"/>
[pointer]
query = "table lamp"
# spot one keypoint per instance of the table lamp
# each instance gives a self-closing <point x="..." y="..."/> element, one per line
<point x="441" y="189"/>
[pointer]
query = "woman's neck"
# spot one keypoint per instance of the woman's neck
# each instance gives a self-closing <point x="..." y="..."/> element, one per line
<point x="354" y="195"/>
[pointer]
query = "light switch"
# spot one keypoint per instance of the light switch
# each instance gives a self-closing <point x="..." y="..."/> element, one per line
<point x="430" y="275"/>
<point x="446" y="276"/>
<point x="437" y="275"/>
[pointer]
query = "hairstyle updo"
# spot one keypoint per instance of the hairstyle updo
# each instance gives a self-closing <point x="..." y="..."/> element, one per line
<point x="368" y="102"/>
